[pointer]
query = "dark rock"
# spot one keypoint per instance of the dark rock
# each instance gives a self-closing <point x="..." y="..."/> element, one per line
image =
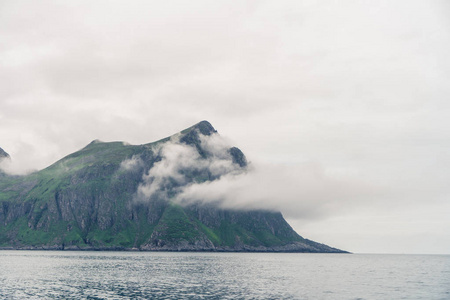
<point x="4" y="155"/>
<point x="238" y="157"/>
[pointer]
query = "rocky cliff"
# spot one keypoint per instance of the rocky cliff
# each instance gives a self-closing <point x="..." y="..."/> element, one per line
<point x="113" y="196"/>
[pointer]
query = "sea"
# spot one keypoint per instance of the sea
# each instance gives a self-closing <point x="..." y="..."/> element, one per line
<point x="193" y="275"/>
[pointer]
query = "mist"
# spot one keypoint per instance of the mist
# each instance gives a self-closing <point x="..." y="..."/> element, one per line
<point x="302" y="191"/>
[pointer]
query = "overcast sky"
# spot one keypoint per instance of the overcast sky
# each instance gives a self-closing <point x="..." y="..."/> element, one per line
<point x="347" y="99"/>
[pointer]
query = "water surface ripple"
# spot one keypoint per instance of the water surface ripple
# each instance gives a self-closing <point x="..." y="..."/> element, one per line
<point x="165" y="275"/>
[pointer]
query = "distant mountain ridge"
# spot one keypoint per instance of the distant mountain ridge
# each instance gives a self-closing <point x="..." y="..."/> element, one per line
<point x="116" y="196"/>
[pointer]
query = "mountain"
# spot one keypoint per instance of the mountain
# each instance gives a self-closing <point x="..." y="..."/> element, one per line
<point x="3" y="154"/>
<point x="116" y="196"/>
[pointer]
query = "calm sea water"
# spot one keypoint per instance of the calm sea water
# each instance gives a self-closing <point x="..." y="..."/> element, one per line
<point x="150" y="275"/>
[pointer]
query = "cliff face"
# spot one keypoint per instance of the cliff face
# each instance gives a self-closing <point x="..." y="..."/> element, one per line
<point x="117" y="196"/>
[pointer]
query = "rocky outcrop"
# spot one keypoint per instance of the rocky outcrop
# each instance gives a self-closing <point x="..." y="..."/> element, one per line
<point x="3" y="157"/>
<point x="3" y="154"/>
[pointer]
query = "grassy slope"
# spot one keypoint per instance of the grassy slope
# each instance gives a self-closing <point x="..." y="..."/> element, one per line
<point x="47" y="182"/>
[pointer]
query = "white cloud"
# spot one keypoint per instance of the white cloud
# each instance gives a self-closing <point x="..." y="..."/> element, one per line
<point x="178" y="160"/>
<point x="134" y="163"/>
<point x="299" y="191"/>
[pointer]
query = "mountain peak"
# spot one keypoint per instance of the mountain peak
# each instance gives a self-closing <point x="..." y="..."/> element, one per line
<point x="191" y="134"/>
<point x="3" y="154"/>
<point x="205" y="128"/>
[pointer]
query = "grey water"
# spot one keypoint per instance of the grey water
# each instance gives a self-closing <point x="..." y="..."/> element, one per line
<point x="168" y="275"/>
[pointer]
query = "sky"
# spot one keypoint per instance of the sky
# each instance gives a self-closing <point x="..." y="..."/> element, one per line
<point x="341" y="107"/>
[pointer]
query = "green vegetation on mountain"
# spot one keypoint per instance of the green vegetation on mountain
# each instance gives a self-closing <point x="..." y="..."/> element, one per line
<point x="116" y="196"/>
